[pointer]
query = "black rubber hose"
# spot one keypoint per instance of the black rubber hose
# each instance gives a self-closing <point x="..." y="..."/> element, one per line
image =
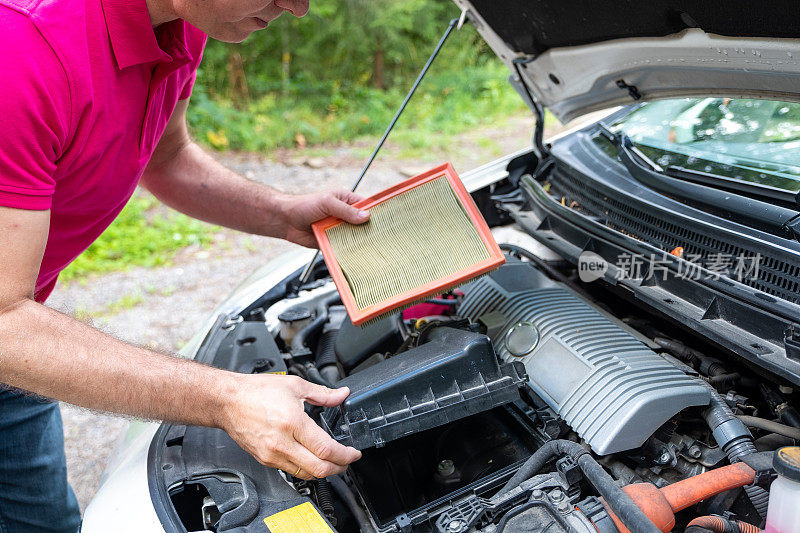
<point x="619" y="502"/>
<point x="300" y="340"/>
<point x="790" y="416"/>
<point x="313" y="375"/>
<point x="325" y="353"/>
<point x="725" y="380"/>
<point x="350" y="500"/>
<point x="780" y="406"/>
<point x="298" y="370"/>
<point x="326" y="357"/>
<point x="718" y="375"/>
<point x="728" y="431"/>
<point x="735" y="440"/>
<point x="442" y="301"/>
<point x="330" y="374"/>
<point x="532" y="466"/>
<point x="679" y="350"/>
<point x="308" y="373"/>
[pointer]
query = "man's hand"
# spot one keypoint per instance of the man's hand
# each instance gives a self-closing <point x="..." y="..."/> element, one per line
<point x="299" y="212"/>
<point x="266" y="418"/>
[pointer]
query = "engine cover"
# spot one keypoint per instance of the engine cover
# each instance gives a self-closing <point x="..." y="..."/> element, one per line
<point x="606" y="384"/>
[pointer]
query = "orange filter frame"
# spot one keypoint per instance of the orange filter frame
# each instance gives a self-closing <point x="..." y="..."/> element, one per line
<point x="361" y="315"/>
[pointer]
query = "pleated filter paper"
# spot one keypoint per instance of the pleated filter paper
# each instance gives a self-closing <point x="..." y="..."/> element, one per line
<point x="424" y="235"/>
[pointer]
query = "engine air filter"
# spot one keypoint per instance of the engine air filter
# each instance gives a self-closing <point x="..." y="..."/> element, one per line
<point x="424" y="235"/>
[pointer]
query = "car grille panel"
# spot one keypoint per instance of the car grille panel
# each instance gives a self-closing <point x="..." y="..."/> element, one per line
<point x="775" y="276"/>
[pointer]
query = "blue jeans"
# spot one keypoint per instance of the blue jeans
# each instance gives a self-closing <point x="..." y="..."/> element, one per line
<point x="34" y="493"/>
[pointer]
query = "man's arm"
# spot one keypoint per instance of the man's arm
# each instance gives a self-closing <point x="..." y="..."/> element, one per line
<point x="53" y="355"/>
<point x="183" y="176"/>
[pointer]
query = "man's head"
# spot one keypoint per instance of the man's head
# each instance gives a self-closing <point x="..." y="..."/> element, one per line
<point x="231" y="20"/>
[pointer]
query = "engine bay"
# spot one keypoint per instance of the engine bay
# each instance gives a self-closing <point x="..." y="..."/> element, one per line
<point x="523" y="401"/>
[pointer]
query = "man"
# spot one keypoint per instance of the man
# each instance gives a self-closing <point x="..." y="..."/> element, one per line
<point x="93" y="101"/>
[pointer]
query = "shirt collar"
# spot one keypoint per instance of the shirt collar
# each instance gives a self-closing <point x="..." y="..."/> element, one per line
<point x="133" y="39"/>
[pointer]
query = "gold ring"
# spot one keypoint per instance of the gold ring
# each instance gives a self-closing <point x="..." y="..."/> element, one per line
<point x="298" y="471"/>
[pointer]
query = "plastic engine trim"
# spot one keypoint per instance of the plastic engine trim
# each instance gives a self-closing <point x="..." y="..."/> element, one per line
<point x="612" y="389"/>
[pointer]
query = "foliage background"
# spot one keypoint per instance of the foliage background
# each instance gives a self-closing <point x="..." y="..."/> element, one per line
<point x="339" y="74"/>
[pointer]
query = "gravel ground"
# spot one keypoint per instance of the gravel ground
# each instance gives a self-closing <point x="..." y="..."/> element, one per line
<point x="173" y="301"/>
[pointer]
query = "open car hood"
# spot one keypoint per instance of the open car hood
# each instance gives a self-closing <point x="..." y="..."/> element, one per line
<point x="585" y="56"/>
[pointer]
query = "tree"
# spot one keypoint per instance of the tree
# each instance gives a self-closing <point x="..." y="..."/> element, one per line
<point x="350" y="42"/>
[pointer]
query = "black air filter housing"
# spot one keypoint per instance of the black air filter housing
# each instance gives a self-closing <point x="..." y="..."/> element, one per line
<point x="454" y="375"/>
<point x="355" y="343"/>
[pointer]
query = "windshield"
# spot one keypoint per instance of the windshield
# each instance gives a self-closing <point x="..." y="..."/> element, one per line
<point x="757" y="141"/>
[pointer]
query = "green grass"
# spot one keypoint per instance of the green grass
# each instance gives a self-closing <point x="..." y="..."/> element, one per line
<point x="447" y="103"/>
<point x="140" y="236"/>
<point x="127" y="301"/>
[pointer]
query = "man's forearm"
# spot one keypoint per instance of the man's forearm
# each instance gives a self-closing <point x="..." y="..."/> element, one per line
<point x="48" y="353"/>
<point x="53" y="355"/>
<point x="194" y="183"/>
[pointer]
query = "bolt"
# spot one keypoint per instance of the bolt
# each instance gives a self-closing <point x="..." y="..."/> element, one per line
<point x="563" y="506"/>
<point x="695" y="451"/>
<point x="664" y="458"/>
<point x="556" y="495"/>
<point x="455" y="525"/>
<point x="537" y="494"/>
<point x="232" y="321"/>
<point x="261" y="364"/>
<point x="446" y="468"/>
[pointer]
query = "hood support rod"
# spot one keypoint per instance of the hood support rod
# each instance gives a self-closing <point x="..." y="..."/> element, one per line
<point x="538" y="110"/>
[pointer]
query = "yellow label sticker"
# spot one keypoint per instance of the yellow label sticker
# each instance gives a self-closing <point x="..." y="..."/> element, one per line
<point x="303" y="518"/>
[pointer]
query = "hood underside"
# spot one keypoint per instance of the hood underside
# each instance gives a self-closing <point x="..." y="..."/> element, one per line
<point x="578" y="57"/>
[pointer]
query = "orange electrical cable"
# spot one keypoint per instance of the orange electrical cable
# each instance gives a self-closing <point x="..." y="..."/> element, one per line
<point x="689" y="491"/>
<point x="660" y="505"/>
<point x="718" y="525"/>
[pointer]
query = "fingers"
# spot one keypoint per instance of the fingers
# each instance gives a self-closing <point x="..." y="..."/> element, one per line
<point x="281" y="435"/>
<point x="317" y="456"/>
<point x="296" y="470"/>
<point x="273" y="453"/>
<point x="319" y="395"/>
<point x="339" y="208"/>
<point x="291" y="468"/>
<point x="319" y="443"/>
<point x="348" y="197"/>
<point x="311" y="464"/>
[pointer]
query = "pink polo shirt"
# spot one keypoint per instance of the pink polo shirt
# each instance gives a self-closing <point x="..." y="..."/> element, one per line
<point x="87" y="89"/>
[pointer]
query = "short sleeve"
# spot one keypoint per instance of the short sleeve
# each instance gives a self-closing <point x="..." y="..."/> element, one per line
<point x="35" y="111"/>
<point x="195" y="44"/>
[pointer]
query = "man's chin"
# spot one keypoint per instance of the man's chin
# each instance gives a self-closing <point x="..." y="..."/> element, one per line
<point x="235" y="34"/>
